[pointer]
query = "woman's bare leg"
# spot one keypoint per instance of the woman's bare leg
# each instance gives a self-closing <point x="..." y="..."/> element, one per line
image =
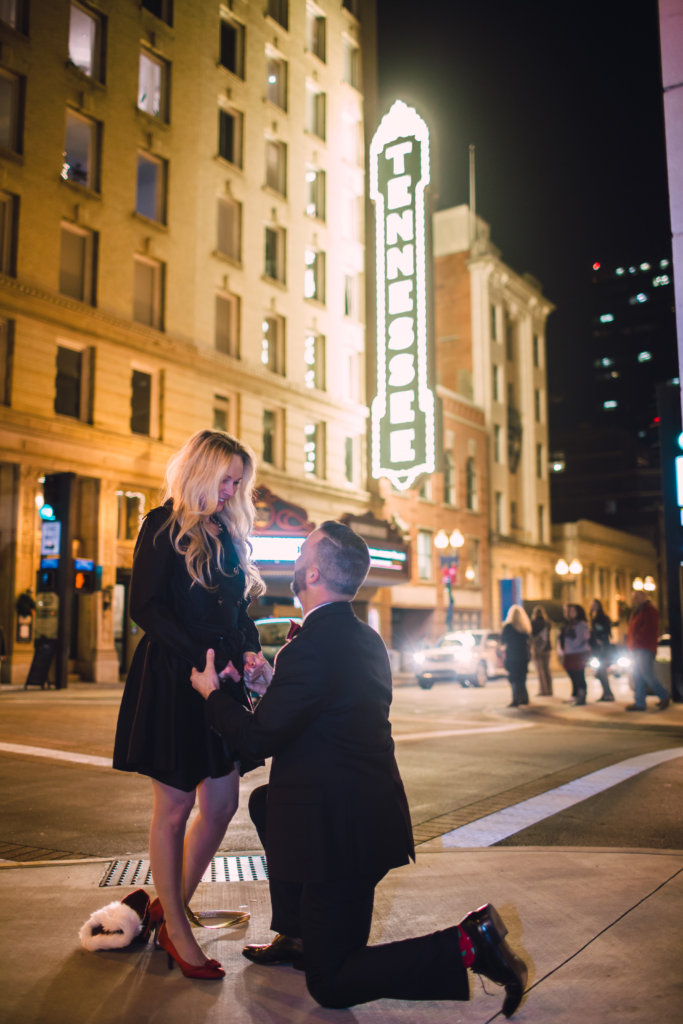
<point x="166" y="836"/>
<point x="217" y="801"/>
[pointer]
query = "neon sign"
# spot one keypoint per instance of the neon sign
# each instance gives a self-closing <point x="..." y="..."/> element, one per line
<point x="403" y="410"/>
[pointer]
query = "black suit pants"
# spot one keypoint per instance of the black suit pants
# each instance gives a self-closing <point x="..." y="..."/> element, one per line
<point x="333" y="919"/>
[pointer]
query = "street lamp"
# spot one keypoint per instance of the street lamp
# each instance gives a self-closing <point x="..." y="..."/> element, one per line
<point x="449" y="565"/>
<point x="568" y="572"/>
<point x="442" y="540"/>
<point x="644" y="584"/>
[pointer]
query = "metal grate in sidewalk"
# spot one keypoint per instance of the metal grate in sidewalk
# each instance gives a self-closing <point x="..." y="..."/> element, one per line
<point x="223" y="868"/>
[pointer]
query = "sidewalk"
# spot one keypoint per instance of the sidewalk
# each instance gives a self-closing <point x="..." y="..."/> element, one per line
<point x="600" y="930"/>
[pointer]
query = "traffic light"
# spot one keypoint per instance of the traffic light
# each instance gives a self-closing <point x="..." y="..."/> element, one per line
<point x="46" y="581"/>
<point x="87" y="576"/>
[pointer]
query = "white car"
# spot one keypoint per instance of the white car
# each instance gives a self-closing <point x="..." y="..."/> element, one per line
<point x="470" y="656"/>
<point x="273" y="634"/>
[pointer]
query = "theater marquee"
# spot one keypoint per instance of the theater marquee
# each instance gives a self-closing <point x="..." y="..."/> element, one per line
<point x="403" y="409"/>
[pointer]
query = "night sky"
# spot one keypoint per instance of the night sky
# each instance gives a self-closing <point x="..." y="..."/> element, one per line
<point x="563" y="101"/>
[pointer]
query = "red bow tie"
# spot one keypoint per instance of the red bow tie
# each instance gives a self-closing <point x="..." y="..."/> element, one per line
<point x="293" y="629"/>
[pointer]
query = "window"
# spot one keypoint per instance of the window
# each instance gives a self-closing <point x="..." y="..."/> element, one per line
<point x="150" y="196"/>
<point x="494" y="322"/>
<point x="274" y="266"/>
<point x="316" y="25"/>
<point x="271" y="437"/>
<point x="227" y="325"/>
<point x="232" y="46"/>
<point x="77" y="263"/>
<point x="131" y="509"/>
<point x="537" y="405"/>
<point x="472" y="499"/>
<point x="449" y="478"/>
<point x="273" y="343"/>
<point x="276" y="166"/>
<point x="80" y="164"/>
<point x="509" y="339"/>
<point x="314" y="359"/>
<point x="314" y="275"/>
<point x="141" y="402"/>
<point x="221" y="412"/>
<point x="351" y="63"/>
<point x="11" y="94"/>
<point x="495" y="370"/>
<point x="230" y="133"/>
<point x="72" y="390"/>
<point x="351" y="296"/>
<point x="276" y="81"/>
<point x="6" y="358"/>
<point x="85" y="41"/>
<point x="541" y="530"/>
<point x="351" y="460"/>
<point x="229" y="228"/>
<point x="539" y="461"/>
<point x="279" y="11"/>
<point x="315" y="193"/>
<point x="153" y="85"/>
<point x="314" y="449"/>
<point x="315" y="112"/>
<point x="148" y="292"/>
<point x="514" y="524"/>
<point x="498" y="512"/>
<point x="12" y="13"/>
<point x="163" y="9"/>
<point x="537" y="350"/>
<point x="472" y="570"/>
<point x="425" y="557"/>
<point x="497" y="443"/>
<point x="9" y="207"/>
<point x="353" y="6"/>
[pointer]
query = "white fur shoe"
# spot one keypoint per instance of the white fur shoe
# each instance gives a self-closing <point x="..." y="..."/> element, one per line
<point x="118" y="924"/>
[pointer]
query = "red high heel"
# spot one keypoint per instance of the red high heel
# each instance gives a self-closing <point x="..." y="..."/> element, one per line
<point x="155" y="919"/>
<point x="210" y="970"/>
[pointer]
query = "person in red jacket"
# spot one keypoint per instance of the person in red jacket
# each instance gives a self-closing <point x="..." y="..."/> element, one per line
<point x="641" y="639"/>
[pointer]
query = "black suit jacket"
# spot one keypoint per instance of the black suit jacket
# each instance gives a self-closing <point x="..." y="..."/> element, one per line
<point x="336" y="803"/>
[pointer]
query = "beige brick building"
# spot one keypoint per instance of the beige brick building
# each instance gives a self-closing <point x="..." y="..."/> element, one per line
<point x="182" y="194"/>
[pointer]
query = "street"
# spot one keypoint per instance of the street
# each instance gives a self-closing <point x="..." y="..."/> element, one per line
<point x="463" y="754"/>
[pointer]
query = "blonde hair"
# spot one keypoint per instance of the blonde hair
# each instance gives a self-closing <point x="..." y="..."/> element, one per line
<point x="193" y="478"/>
<point x="518" y="619"/>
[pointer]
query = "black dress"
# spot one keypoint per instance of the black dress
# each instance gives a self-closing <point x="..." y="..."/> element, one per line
<point x="162" y="728"/>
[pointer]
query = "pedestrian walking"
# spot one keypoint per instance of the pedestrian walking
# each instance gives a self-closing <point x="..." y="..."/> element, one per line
<point x="541" y="648"/>
<point x="641" y="639"/>
<point x="600" y="641"/>
<point x="573" y="650"/>
<point x="334" y="817"/>
<point x="516" y="642"/>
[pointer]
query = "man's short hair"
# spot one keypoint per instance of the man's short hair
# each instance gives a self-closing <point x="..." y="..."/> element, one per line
<point x="342" y="558"/>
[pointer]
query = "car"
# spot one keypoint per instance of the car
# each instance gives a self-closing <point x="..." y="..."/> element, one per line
<point x="469" y="656"/>
<point x="273" y="635"/>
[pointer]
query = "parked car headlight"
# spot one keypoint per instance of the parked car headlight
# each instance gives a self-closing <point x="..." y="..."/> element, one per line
<point x="594" y="663"/>
<point x="624" y="661"/>
<point x="419" y="658"/>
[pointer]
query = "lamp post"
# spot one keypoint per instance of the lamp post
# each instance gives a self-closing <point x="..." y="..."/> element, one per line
<point x="568" y="572"/>
<point x="449" y="565"/>
<point x="648" y="584"/>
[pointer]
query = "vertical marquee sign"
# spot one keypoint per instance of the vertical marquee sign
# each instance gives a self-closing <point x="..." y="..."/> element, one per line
<point x="403" y="410"/>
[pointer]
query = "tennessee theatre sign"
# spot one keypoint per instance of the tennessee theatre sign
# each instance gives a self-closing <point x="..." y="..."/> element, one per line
<point x="403" y="409"/>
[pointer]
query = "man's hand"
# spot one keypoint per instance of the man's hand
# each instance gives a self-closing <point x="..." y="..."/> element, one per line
<point x="257" y="673"/>
<point x="207" y="681"/>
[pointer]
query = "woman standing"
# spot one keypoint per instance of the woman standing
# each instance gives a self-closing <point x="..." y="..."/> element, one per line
<point x="573" y="650"/>
<point x="540" y="650"/>
<point x="190" y="588"/>
<point x="601" y="634"/>
<point x="515" y="640"/>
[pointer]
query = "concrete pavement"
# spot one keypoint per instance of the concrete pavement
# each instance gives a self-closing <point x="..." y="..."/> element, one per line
<point x="600" y="930"/>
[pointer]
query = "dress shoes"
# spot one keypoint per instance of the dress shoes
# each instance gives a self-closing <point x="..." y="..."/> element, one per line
<point x="663" y="703"/>
<point x="282" y="950"/>
<point x="493" y="957"/>
<point x="634" y="707"/>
